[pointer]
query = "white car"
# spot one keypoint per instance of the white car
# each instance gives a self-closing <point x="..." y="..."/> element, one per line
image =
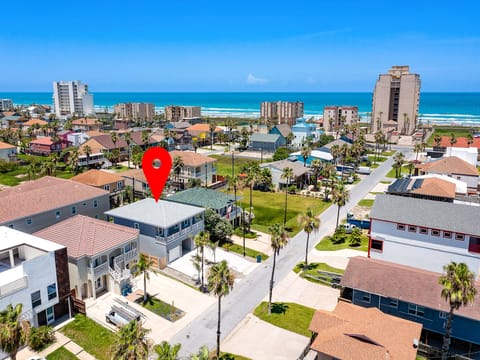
<point x="348" y="227"/>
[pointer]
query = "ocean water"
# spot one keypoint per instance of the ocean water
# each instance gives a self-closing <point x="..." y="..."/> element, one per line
<point x="438" y="108"/>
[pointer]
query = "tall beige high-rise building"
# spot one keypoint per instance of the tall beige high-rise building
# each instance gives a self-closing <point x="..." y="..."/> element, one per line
<point x="179" y="113"/>
<point x="135" y="111"/>
<point x="335" y="117"/>
<point x="396" y="100"/>
<point x="281" y="112"/>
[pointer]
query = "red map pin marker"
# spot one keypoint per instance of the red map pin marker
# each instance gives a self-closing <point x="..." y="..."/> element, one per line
<point x="156" y="165"/>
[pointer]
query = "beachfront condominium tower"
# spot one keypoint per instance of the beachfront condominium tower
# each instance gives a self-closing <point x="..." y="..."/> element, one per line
<point x="281" y="112"/>
<point x="395" y="101"/>
<point x="6" y="104"/>
<point x="72" y="98"/>
<point x="182" y="113"/>
<point x="135" y="111"/>
<point x="336" y="117"/>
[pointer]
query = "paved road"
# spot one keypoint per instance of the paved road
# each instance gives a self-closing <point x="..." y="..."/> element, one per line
<point x="250" y="291"/>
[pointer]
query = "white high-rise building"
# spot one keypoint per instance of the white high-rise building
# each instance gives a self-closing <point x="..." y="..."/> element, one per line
<point x="72" y="97"/>
<point x="6" y="104"/>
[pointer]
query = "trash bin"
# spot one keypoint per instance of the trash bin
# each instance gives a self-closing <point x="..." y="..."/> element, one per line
<point x="259" y="258"/>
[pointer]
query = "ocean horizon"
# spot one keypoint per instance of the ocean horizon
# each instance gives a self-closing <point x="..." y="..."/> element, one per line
<point x="458" y="108"/>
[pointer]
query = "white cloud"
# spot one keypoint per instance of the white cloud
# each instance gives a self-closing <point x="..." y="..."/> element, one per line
<point x="251" y="79"/>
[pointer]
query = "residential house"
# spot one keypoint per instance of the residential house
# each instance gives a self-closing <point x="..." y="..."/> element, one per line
<point x="196" y="167"/>
<point x="316" y="154"/>
<point x="266" y="142"/>
<point x="34" y="205"/>
<point x="46" y="146"/>
<point x="412" y="294"/>
<point x="100" y="146"/>
<point x="35" y="123"/>
<point x="223" y="204"/>
<point x="86" y="124"/>
<point x="113" y="183"/>
<point x="300" y="173"/>
<point x="167" y="229"/>
<point x="350" y="330"/>
<point x="77" y="138"/>
<point x="284" y="130"/>
<point x="454" y="167"/>
<point x="137" y="139"/>
<point x="202" y="133"/>
<point x="424" y="188"/>
<point x="424" y="233"/>
<point x="100" y="254"/>
<point x="304" y="131"/>
<point x="8" y="152"/>
<point x="34" y="273"/>
<point x="135" y="178"/>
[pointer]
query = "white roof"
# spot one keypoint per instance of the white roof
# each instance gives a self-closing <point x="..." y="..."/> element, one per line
<point x="323" y="155"/>
<point x="10" y="238"/>
<point x="460" y="186"/>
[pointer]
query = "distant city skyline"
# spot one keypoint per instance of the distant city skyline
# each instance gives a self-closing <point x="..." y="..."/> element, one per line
<point x="259" y="46"/>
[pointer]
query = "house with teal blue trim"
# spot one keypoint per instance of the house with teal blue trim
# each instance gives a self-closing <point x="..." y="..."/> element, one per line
<point x="303" y="130"/>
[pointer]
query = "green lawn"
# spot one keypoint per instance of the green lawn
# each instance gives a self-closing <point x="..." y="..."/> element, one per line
<point x="61" y="354"/>
<point x="388" y="152"/>
<point x="373" y="159"/>
<point x="8" y="179"/>
<point x="326" y="244"/>
<point x="391" y="173"/>
<point x="366" y="202"/>
<point x="312" y="274"/>
<point x="268" y="208"/>
<point x="161" y="308"/>
<point x="224" y="164"/>
<point x="289" y="316"/>
<point x="92" y="337"/>
<point x="248" y="252"/>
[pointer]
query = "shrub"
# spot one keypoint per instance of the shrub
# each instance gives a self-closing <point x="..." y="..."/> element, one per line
<point x="356" y="237"/>
<point x="7" y="166"/>
<point x="40" y="337"/>
<point x="281" y="154"/>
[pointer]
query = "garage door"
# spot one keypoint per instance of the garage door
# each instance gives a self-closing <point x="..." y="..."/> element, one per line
<point x="174" y="253"/>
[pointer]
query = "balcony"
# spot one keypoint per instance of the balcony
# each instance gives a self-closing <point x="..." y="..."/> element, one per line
<point x="181" y="234"/>
<point x="99" y="270"/>
<point x="13" y="286"/>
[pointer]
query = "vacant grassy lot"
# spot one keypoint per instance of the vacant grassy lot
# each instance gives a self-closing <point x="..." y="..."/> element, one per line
<point x="312" y="272"/>
<point x="61" y="354"/>
<point x="161" y="308"/>
<point x="224" y="164"/>
<point x="268" y="208"/>
<point x="289" y="316"/>
<point x="248" y="252"/>
<point x="326" y="244"/>
<point x="366" y="202"/>
<point x="92" y="337"/>
<point x="459" y="131"/>
<point x="391" y="173"/>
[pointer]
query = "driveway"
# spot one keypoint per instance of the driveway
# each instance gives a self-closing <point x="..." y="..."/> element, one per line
<point x="191" y="301"/>
<point x="338" y="259"/>
<point x="259" y="340"/>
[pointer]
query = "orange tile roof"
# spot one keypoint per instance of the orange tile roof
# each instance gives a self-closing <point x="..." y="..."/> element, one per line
<point x="95" y="146"/>
<point x="436" y="187"/>
<point x="5" y="146"/>
<point x="34" y="121"/>
<point x="134" y="173"/>
<point x="449" y="165"/>
<point x="85" y="236"/>
<point x="97" y="178"/>
<point x="42" y="141"/>
<point x="84" y="121"/>
<point x="191" y="158"/>
<point x="461" y="142"/>
<point x="93" y="133"/>
<point x="202" y="128"/>
<point x="357" y="333"/>
<point x="44" y="194"/>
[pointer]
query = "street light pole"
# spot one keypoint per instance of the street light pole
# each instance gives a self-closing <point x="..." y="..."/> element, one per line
<point x="243" y="228"/>
<point x="233" y="164"/>
<point x="261" y="155"/>
<point x="206" y="175"/>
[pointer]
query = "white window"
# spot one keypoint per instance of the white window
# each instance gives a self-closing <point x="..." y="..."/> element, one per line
<point x="119" y="185"/>
<point x="95" y="203"/>
<point x="412" y="228"/>
<point x="52" y="291"/>
<point x="393" y="303"/>
<point x="447" y="234"/>
<point x="366" y="297"/>
<point x="459" y="237"/>
<point x="416" y="310"/>
<point x="50" y="315"/>
<point x="136" y="226"/>
<point x="442" y="315"/>
<point x="423" y="231"/>
<point x="401" y="227"/>
<point x="74" y="210"/>
<point x="435" y="232"/>
<point x="29" y="221"/>
<point x="57" y="214"/>
<point x="36" y="299"/>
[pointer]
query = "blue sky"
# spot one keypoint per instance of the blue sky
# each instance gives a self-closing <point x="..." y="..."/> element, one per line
<point x="183" y="45"/>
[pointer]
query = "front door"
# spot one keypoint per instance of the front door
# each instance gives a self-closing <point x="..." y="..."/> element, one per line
<point x="50" y="315"/>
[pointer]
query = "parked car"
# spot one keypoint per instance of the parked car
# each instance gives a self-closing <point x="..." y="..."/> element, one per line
<point x="347" y="227"/>
<point x="364" y="170"/>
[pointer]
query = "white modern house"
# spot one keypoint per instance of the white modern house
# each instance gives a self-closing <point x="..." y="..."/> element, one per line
<point x="167" y="229"/>
<point x="425" y="234"/>
<point x="33" y="272"/>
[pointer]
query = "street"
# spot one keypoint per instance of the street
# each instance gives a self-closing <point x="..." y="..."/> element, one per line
<point x="250" y="291"/>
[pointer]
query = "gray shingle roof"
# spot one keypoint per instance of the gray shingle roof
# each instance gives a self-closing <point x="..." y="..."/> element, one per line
<point x="206" y="198"/>
<point x="268" y="138"/>
<point x="162" y="213"/>
<point x="427" y="213"/>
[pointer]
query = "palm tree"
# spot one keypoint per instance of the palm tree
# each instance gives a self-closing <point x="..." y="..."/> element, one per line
<point x="144" y="266"/>
<point x="309" y="223"/>
<point x="211" y="128"/>
<point x="399" y="160"/>
<point x="328" y="173"/>
<point x="233" y="183"/>
<point x="220" y="282"/>
<point x="203" y="354"/>
<point x="114" y="137"/>
<point x="165" y="351"/>
<point x="32" y="170"/>
<point x="340" y="197"/>
<point x="13" y="330"/>
<point x="88" y="151"/>
<point x="316" y="166"/>
<point x="437" y="139"/>
<point x="306" y="151"/>
<point x="73" y="160"/>
<point x="253" y="171"/>
<point x="279" y="238"/>
<point x="469" y="139"/>
<point x="287" y="174"/>
<point x="131" y="342"/>
<point x="145" y="137"/>
<point x="458" y="290"/>
<point x="418" y="148"/>
<point x="335" y="152"/>
<point x="177" y="167"/>
<point x="201" y="240"/>
<point x="128" y="140"/>
<point x="453" y="139"/>
<point x="289" y="139"/>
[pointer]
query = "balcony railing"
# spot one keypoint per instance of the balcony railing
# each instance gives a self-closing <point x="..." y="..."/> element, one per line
<point x="99" y="270"/>
<point x="181" y="234"/>
<point x="13" y="286"/>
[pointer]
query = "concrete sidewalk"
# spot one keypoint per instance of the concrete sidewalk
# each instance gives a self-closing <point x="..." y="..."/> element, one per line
<point x="262" y="243"/>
